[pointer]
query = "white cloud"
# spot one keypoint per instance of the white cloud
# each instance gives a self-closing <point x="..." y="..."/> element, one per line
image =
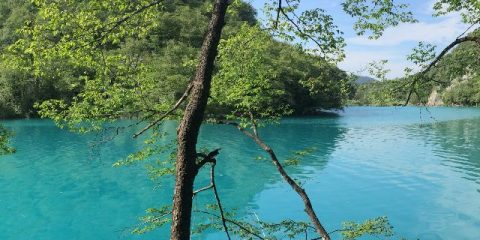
<point x="357" y="61"/>
<point x="396" y="43"/>
<point x="440" y="32"/>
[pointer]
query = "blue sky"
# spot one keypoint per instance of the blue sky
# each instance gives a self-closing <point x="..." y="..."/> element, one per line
<point x="396" y="43"/>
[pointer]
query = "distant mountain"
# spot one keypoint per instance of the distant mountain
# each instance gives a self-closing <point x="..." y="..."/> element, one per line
<point x="364" y="79"/>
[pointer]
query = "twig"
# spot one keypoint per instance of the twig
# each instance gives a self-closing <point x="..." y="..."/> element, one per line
<point x="220" y="208"/>
<point x="300" y="191"/>
<point x="299" y="29"/>
<point x="470" y="27"/>
<point x="437" y="59"/>
<point x="154" y="123"/>
<point x="211" y="158"/>
<point x="123" y="20"/>
<point x="234" y="223"/>
<point x="278" y="14"/>
<point x="202" y="189"/>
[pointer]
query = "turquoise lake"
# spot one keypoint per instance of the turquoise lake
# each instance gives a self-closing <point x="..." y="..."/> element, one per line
<point x="418" y="166"/>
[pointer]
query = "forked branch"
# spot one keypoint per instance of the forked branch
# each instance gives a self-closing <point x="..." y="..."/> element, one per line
<point x="211" y="159"/>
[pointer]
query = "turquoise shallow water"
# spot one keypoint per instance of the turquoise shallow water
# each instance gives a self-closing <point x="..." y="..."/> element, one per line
<point x="419" y="167"/>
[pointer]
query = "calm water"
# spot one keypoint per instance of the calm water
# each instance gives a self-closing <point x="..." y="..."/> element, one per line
<point x="420" y="168"/>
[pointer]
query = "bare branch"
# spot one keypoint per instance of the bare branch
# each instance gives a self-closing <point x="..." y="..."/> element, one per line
<point x="126" y="18"/>
<point x="202" y="189"/>
<point x="299" y="29"/>
<point x="254" y="124"/>
<point x="468" y="29"/>
<point x="219" y="203"/>
<point x="154" y="123"/>
<point x="448" y="48"/>
<point x="437" y="59"/>
<point x="211" y="158"/>
<point x="232" y="222"/>
<point x="300" y="191"/>
<point x="278" y="14"/>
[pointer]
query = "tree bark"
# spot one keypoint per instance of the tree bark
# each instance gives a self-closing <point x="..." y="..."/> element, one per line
<point x="187" y="132"/>
<point x="300" y="191"/>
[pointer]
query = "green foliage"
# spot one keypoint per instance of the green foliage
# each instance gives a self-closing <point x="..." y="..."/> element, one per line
<point x="298" y="155"/>
<point x="312" y="26"/>
<point x="249" y="229"/>
<point x="56" y="48"/>
<point x="457" y="74"/>
<point x="138" y="69"/>
<point x="81" y="69"/>
<point x="87" y="63"/>
<point x="380" y="93"/>
<point x="469" y="9"/>
<point x="158" y="156"/>
<point x="423" y="54"/>
<point x="463" y="92"/>
<point x="245" y="82"/>
<point x="17" y="90"/>
<point x="155" y="218"/>
<point x="376" y="15"/>
<point x="378" y="70"/>
<point x="374" y="227"/>
<point x="5" y="136"/>
<point x="271" y="79"/>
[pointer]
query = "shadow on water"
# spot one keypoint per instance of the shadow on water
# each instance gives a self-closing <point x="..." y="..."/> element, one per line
<point x="423" y="174"/>
<point x="57" y="179"/>
<point x="62" y="188"/>
<point x="242" y="177"/>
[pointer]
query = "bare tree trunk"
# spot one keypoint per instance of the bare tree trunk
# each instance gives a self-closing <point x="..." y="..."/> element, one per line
<point x="187" y="132"/>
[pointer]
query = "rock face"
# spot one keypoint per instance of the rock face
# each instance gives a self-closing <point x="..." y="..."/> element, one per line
<point x="434" y="99"/>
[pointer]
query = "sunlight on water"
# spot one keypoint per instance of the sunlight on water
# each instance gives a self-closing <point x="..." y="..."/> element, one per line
<point x="419" y="167"/>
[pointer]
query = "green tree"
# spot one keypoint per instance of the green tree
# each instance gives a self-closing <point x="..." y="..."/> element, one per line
<point x="85" y="39"/>
<point x="4" y="141"/>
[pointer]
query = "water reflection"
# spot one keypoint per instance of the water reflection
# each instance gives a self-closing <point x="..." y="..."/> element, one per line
<point x="369" y="162"/>
<point x="66" y="181"/>
<point x="461" y="142"/>
<point x="243" y="176"/>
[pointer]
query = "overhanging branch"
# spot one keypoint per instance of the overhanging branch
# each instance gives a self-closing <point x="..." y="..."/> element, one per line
<point x="299" y="190"/>
<point x="436" y="60"/>
<point x="154" y="123"/>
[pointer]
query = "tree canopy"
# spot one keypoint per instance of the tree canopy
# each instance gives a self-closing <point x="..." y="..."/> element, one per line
<point x="87" y="63"/>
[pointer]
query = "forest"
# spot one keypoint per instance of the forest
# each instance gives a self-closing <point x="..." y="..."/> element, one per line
<point x="180" y="87"/>
<point x="455" y="82"/>
<point x="168" y="52"/>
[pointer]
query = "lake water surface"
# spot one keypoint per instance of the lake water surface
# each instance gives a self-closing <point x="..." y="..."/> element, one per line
<point x="419" y="167"/>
